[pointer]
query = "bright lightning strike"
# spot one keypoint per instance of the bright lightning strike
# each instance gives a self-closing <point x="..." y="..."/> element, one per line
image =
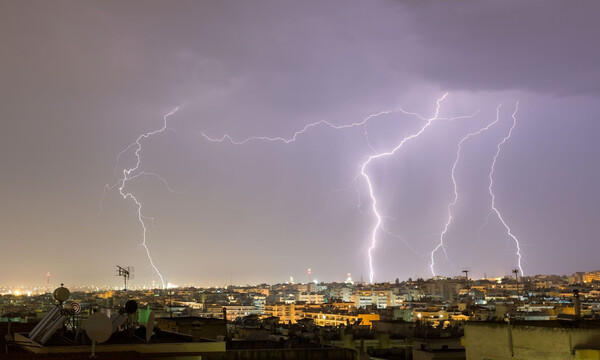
<point x="491" y="177"/>
<point x="363" y="172"/>
<point x="135" y="172"/>
<point x="306" y="128"/>
<point x="441" y="244"/>
<point x="363" y="167"/>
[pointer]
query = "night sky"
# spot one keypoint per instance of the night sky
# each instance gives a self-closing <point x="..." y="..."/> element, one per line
<point x="81" y="81"/>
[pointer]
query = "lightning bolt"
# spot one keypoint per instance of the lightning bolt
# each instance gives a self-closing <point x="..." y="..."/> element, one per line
<point x="135" y="172"/>
<point x="401" y="238"/>
<point x="294" y="137"/>
<point x="362" y="123"/>
<point x="440" y="244"/>
<point x="491" y="185"/>
<point x="363" y="172"/>
<point x="364" y="165"/>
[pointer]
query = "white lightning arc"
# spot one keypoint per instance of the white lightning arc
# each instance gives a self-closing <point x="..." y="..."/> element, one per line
<point x="363" y="172"/>
<point x="359" y="209"/>
<point x="401" y="238"/>
<point x="491" y="185"/>
<point x="306" y="128"/>
<point x="362" y="123"/>
<point x="441" y="244"/>
<point x="133" y="173"/>
<point x="363" y="167"/>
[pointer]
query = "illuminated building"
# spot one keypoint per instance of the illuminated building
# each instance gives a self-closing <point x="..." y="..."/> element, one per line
<point x="334" y="319"/>
<point x="286" y="313"/>
<point x="312" y="298"/>
<point x="379" y="299"/>
<point x="342" y="293"/>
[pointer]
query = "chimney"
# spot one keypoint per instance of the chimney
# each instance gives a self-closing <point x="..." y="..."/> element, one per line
<point x="577" y="303"/>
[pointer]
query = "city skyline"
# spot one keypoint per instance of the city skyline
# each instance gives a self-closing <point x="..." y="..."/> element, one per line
<point x="246" y="204"/>
<point x="578" y="278"/>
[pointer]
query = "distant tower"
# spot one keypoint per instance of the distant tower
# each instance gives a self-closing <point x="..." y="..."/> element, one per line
<point x="349" y="279"/>
<point x="48" y="280"/>
<point x="309" y="272"/>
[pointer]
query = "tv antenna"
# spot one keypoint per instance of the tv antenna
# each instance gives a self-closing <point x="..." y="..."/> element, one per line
<point x="516" y="272"/>
<point x="126" y="273"/>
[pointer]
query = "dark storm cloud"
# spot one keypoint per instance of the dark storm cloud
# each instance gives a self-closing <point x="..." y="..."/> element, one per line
<point x="540" y="46"/>
<point x="81" y="80"/>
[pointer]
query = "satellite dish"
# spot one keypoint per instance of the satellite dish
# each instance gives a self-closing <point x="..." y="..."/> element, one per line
<point x="98" y="327"/>
<point x="150" y="326"/>
<point x="62" y="294"/>
<point x="131" y="306"/>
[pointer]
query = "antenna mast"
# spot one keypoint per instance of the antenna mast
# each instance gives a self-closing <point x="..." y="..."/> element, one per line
<point x="516" y="272"/>
<point x="125" y="273"/>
